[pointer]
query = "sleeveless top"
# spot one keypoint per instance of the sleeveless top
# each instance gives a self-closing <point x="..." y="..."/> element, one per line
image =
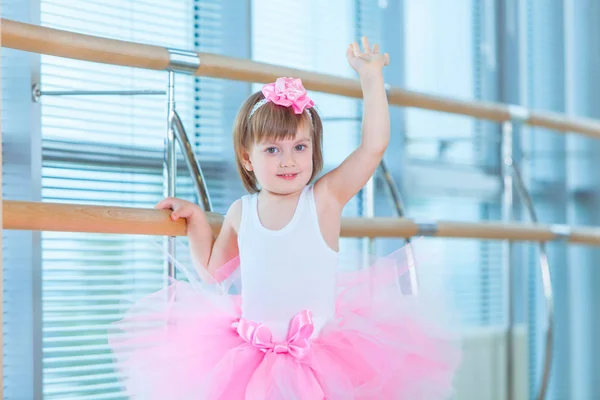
<point x="286" y="271"/>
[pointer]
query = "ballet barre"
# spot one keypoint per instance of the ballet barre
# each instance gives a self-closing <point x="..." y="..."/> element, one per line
<point x="58" y="217"/>
<point x="60" y="43"/>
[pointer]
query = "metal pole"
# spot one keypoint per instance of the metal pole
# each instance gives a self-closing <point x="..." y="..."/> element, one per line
<point x="189" y="157"/>
<point x="170" y="170"/>
<point x="546" y="283"/>
<point x="369" y="212"/>
<point x="103" y="93"/>
<point x="399" y="206"/>
<point x="186" y="62"/>
<point x="507" y="216"/>
<point x="37" y="93"/>
<point x="99" y="92"/>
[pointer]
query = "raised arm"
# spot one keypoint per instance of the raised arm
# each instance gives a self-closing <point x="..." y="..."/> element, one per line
<point x="341" y="184"/>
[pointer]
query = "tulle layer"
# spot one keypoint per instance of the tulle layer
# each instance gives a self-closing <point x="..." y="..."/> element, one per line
<point x="182" y="343"/>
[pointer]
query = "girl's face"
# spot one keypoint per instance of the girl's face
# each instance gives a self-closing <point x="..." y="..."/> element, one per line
<point x="282" y="166"/>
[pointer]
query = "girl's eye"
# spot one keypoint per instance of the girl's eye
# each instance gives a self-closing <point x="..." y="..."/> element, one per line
<point x="301" y="147"/>
<point x="271" y="150"/>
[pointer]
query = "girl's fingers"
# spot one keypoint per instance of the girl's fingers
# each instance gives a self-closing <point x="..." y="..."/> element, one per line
<point x="365" y="44"/>
<point x="355" y="49"/>
<point x="349" y="51"/>
<point x="165" y="203"/>
<point x="185" y="211"/>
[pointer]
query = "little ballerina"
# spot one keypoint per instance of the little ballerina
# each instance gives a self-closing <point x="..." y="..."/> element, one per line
<point x="300" y="329"/>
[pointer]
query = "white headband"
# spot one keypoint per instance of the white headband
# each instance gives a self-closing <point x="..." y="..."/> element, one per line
<point x="262" y="102"/>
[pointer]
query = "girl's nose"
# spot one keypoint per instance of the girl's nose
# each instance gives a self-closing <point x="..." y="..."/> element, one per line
<point x="286" y="160"/>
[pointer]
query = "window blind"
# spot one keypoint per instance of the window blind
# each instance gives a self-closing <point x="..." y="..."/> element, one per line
<point x="108" y="150"/>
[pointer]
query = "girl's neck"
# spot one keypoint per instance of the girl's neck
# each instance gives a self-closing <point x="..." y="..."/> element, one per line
<point x="265" y="195"/>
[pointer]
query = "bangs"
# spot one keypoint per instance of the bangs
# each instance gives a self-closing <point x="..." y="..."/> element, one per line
<point x="272" y="122"/>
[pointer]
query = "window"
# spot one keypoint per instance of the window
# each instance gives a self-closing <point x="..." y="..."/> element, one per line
<point x="108" y="150"/>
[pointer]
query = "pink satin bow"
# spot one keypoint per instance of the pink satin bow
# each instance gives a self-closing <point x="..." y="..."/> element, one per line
<point x="298" y="339"/>
<point x="288" y="92"/>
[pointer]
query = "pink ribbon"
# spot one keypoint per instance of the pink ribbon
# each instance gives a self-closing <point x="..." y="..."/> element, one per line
<point x="298" y="339"/>
<point x="288" y="92"/>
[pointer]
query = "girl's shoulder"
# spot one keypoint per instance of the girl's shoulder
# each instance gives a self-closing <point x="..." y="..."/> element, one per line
<point x="234" y="215"/>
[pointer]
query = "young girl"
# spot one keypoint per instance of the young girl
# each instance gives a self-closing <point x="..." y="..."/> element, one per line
<point x="300" y="329"/>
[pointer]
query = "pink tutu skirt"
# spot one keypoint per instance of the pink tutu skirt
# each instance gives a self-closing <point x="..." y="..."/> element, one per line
<point x="189" y="342"/>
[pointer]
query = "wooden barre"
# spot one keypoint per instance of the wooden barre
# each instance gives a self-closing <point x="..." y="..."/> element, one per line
<point x="42" y="216"/>
<point x="43" y="40"/>
<point x="60" y="43"/>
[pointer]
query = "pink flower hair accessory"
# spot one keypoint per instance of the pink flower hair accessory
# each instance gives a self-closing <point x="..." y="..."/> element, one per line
<point x="286" y="92"/>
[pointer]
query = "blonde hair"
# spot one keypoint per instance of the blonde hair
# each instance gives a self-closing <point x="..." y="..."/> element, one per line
<point x="272" y="122"/>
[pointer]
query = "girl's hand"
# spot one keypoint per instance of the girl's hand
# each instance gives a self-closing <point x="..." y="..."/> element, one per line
<point x="367" y="60"/>
<point x="181" y="208"/>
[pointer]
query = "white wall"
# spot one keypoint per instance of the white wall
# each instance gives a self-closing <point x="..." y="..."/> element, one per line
<point x="483" y="372"/>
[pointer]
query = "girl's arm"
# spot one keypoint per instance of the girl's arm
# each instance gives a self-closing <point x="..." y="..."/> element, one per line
<point x="346" y="180"/>
<point x="225" y="247"/>
<point x="208" y="253"/>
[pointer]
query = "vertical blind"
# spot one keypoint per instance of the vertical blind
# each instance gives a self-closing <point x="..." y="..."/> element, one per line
<point x="20" y="249"/>
<point x="108" y="150"/>
<point x="472" y="268"/>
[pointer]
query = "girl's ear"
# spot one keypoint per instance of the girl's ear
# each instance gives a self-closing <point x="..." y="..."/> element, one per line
<point x="246" y="161"/>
